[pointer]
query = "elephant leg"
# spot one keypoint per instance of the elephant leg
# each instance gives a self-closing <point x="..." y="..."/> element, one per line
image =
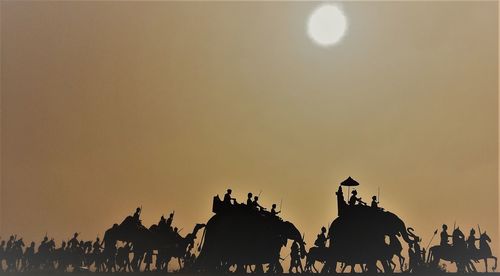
<point x="386" y="265"/>
<point x="393" y="265"/>
<point x="401" y="262"/>
<point x="472" y="266"/>
<point x="371" y="267"/>
<point x="261" y="268"/>
<point x="240" y="268"/>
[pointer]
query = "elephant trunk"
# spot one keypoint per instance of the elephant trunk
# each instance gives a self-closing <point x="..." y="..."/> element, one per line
<point x="408" y="235"/>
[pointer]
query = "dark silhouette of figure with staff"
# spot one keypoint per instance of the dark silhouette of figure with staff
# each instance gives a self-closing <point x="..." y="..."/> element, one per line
<point x="227" y="198"/>
<point x="249" y="200"/>
<point x="353" y="200"/>
<point x="273" y="210"/>
<point x="445" y="236"/>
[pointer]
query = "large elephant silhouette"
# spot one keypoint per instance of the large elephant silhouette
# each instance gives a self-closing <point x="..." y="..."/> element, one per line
<point x="238" y="235"/>
<point x="362" y="235"/>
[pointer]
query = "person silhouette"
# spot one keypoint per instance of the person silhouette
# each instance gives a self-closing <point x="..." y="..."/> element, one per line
<point x="227" y="198"/>
<point x="374" y="202"/>
<point x="97" y="246"/>
<point x="10" y="243"/>
<point x="471" y="242"/>
<point x="29" y="254"/>
<point x="295" y="259"/>
<point x="73" y="243"/>
<point x="445" y="236"/>
<point x="43" y="245"/>
<point x="273" y="210"/>
<point x="353" y="199"/>
<point x="458" y="239"/>
<point x="170" y="220"/>
<point x="256" y="204"/>
<point x="321" y="238"/>
<point x="163" y="221"/>
<point x="249" y="200"/>
<point x="137" y="215"/>
<point x="176" y="234"/>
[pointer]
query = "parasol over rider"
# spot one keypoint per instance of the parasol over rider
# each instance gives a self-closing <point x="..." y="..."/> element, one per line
<point x="350" y="182"/>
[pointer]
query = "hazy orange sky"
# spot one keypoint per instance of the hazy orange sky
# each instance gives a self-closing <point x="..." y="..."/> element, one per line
<point x="107" y="106"/>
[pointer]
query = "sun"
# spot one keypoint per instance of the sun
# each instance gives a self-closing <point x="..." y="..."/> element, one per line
<point x="327" y="25"/>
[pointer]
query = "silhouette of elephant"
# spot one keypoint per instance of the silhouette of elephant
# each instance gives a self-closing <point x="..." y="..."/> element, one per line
<point x="360" y="236"/>
<point x="240" y="236"/>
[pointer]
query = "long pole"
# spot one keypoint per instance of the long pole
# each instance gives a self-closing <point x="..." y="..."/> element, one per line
<point x="378" y="195"/>
<point x="435" y="232"/>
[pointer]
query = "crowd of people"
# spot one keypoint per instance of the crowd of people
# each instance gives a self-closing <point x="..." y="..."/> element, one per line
<point x="76" y="254"/>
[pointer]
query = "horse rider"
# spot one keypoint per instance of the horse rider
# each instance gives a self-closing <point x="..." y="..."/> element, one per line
<point x="170" y="219"/>
<point x="163" y="221"/>
<point x="29" y="254"/>
<point x="97" y="246"/>
<point x="176" y="233"/>
<point x="353" y="199"/>
<point x="321" y="238"/>
<point x="10" y="243"/>
<point x="471" y="241"/>
<point x="273" y="210"/>
<point x="43" y="245"/>
<point x="445" y="236"/>
<point x="458" y="238"/>
<point x="73" y="243"/>
<point x="227" y="198"/>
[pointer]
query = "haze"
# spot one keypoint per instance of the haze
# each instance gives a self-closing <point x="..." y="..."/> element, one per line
<point x="107" y="106"/>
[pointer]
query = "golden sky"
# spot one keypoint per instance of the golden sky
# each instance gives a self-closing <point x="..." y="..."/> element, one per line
<point x="107" y="106"/>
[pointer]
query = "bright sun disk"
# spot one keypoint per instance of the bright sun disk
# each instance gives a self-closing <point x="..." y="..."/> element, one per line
<point x="327" y="25"/>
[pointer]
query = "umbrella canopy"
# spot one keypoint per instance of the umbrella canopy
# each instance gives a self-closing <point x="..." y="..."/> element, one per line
<point x="349" y="182"/>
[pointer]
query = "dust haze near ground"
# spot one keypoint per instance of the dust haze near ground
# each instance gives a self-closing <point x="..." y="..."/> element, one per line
<point x="109" y="106"/>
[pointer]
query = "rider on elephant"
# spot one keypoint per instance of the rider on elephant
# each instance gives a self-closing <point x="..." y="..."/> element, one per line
<point x="249" y="200"/>
<point x="445" y="236"/>
<point x="273" y="210"/>
<point x="375" y="203"/>
<point x="256" y="205"/>
<point x="321" y="239"/>
<point x="353" y="200"/>
<point x="227" y="198"/>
